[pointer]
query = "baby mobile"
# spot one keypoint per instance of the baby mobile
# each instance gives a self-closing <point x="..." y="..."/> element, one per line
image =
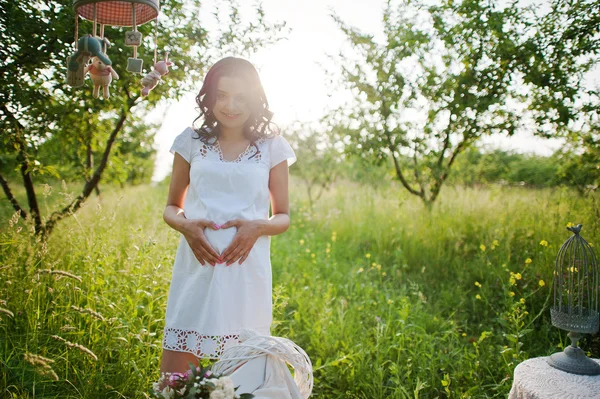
<point x="91" y="56"/>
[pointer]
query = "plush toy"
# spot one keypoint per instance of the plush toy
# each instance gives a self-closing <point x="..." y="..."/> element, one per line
<point x="87" y="46"/>
<point x="101" y="75"/>
<point x="150" y="81"/>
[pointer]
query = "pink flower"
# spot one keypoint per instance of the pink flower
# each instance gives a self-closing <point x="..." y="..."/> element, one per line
<point x="173" y="378"/>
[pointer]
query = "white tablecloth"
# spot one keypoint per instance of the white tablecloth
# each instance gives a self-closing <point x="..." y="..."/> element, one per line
<point x="536" y="379"/>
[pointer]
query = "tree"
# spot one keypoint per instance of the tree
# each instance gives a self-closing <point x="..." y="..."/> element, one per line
<point x="554" y="54"/>
<point x="41" y="115"/>
<point x="443" y="76"/>
<point x="446" y="60"/>
<point x="559" y="49"/>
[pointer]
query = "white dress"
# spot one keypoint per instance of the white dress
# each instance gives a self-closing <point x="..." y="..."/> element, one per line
<point x="208" y="306"/>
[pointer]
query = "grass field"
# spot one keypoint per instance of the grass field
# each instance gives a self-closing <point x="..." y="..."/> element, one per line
<point x="388" y="300"/>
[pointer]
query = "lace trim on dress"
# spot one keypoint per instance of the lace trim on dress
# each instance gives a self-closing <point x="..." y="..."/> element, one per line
<point x="203" y="346"/>
<point x="252" y="153"/>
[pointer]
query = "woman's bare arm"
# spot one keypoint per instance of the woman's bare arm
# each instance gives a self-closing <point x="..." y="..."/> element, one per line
<point x="174" y="216"/>
<point x="180" y="181"/>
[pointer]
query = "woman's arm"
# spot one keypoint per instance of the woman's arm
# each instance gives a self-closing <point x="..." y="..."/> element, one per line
<point x="174" y="216"/>
<point x="280" y="202"/>
<point x="180" y="181"/>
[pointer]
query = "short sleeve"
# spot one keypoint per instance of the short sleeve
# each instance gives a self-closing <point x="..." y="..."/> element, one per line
<point x="281" y="150"/>
<point x="182" y="144"/>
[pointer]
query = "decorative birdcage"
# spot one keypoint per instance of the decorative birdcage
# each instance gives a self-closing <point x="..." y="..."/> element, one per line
<point x="575" y="306"/>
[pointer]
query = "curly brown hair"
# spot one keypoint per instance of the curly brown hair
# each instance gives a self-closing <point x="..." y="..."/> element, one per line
<point x="259" y="123"/>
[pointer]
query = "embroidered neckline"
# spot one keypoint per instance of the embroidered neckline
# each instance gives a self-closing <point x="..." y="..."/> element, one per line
<point x="239" y="157"/>
<point x="215" y="148"/>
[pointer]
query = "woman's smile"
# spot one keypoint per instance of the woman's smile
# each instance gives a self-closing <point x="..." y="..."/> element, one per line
<point x="231" y="117"/>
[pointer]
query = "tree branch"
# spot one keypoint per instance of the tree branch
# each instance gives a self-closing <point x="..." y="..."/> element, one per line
<point x="25" y="171"/>
<point x="95" y="179"/>
<point x="11" y="197"/>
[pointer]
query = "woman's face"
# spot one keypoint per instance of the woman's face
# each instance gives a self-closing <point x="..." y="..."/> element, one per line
<point x="232" y="105"/>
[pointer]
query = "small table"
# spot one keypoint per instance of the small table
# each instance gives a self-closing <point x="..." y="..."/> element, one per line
<point x="536" y="379"/>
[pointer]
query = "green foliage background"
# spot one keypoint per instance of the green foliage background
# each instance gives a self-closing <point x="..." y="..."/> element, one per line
<point x="388" y="300"/>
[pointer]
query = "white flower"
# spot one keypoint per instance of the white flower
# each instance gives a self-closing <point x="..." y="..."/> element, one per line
<point x="217" y="394"/>
<point x="218" y="383"/>
<point x="156" y="386"/>
<point x="168" y="393"/>
<point x="228" y="388"/>
<point x="182" y="391"/>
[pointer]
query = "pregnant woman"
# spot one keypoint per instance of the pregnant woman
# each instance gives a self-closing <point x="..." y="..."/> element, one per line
<point x="225" y="174"/>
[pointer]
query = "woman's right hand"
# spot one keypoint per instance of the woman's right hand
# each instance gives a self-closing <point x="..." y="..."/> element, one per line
<point x="194" y="234"/>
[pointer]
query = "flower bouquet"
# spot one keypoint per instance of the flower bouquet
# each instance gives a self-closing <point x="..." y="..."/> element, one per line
<point x="195" y="383"/>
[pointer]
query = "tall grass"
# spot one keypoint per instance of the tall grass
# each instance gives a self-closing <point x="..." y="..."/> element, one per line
<point x="388" y="300"/>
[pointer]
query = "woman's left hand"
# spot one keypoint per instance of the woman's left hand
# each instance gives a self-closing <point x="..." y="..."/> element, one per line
<point x="248" y="231"/>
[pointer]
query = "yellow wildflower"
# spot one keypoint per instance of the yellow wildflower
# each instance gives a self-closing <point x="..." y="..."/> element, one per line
<point x="518" y="276"/>
<point x="478" y="296"/>
<point x="542" y="283"/>
<point x="367" y="255"/>
<point x="495" y="242"/>
<point x="464" y="334"/>
<point x="313" y="255"/>
<point x="378" y="267"/>
<point x="390" y="301"/>
<point x="327" y="250"/>
<point x="544" y="243"/>
<point x="570" y="224"/>
<point x="361" y="270"/>
<point x="307" y="250"/>
<point x="511" y="293"/>
<point x="384" y="274"/>
<point x="477" y="284"/>
<point x="512" y="281"/>
<point x="482" y="247"/>
<point x="528" y="261"/>
<point x="522" y="300"/>
<point x="301" y="242"/>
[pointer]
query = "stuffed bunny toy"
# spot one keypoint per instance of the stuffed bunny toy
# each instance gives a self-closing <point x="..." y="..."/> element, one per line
<point x="150" y="81"/>
<point x="101" y="75"/>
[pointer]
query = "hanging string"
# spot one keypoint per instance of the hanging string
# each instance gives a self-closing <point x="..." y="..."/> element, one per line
<point x="134" y="28"/>
<point x="95" y="20"/>
<point x="155" y="39"/>
<point x="76" y="30"/>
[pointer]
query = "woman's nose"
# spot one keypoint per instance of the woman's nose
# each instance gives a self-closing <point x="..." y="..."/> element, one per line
<point x="232" y="105"/>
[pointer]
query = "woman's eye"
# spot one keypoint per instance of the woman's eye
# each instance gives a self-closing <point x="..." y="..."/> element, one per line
<point x="220" y="96"/>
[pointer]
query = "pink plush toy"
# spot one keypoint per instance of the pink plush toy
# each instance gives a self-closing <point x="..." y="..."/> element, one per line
<point x="150" y="81"/>
<point x="101" y="75"/>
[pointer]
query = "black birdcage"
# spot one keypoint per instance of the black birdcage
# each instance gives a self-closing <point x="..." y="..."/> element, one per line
<point x="575" y="307"/>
